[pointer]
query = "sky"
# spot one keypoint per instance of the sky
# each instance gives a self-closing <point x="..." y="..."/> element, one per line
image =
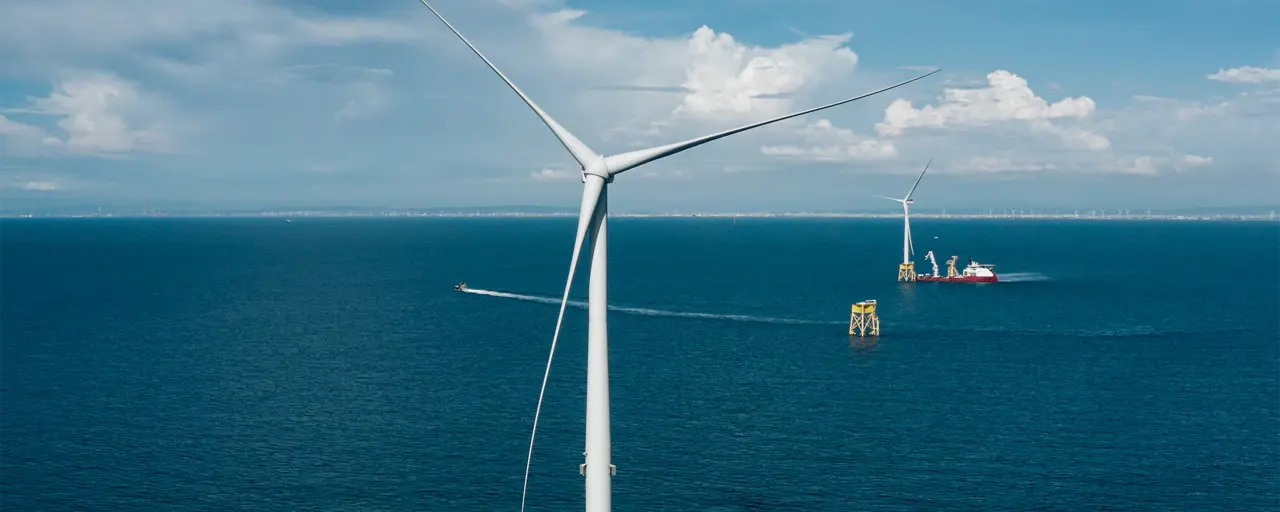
<point x="322" y="103"/>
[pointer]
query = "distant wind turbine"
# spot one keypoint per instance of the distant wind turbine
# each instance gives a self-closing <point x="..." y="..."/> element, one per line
<point x="908" y="249"/>
<point x="597" y="172"/>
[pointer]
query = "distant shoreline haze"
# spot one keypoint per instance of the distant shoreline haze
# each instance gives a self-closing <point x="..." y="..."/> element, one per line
<point x="1019" y="215"/>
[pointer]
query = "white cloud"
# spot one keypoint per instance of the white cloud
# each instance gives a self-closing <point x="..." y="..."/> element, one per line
<point x="723" y="80"/>
<point x="102" y="113"/>
<point x="552" y="175"/>
<point x="590" y="55"/>
<point x="265" y="81"/>
<point x="1246" y="75"/>
<point x="1148" y="165"/>
<point x="1197" y="160"/>
<point x="993" y="164"/>
<point x="704" y="76"/>
<point x="1004" y="110"/>
<point x="61" y="31"/>
<point x="43" y="186"/>
<point x="13" y="128"/>
<point x="728" y="79"/>
<point x="1073" y="136"/>
<point x="1007" y="97"/>
<point x="825" y="142"/>
<point x="1144" y="165"/>
<point x="674" y="174"/>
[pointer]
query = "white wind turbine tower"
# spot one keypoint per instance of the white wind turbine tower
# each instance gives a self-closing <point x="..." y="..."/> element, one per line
<point x="598" y="171"/>
<point x="906" y="271"/>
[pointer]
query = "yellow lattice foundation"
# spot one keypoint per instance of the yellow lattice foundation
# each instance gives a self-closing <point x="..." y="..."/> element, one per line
<point x="863" y="320"/>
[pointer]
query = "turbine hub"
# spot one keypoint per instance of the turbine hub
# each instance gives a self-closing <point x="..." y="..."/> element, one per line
<point x="597" y="168"/>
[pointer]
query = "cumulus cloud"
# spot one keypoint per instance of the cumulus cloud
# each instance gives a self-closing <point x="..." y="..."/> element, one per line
<point x="1246" y="75"/>
<point x="266" y="79"/>
<point x="704" y="76"/>
<point x="1145" y="165"/>
<point x="1073" y="136"/>
<point x="1007" y="97"/>
<point x="725" y="78"/>
<point x="15" y="129"/>
<point x="1004" y="108"/>
<point x="720" y="78"/>
<point x="825" y="142"/>
<point x="102" y="113"/>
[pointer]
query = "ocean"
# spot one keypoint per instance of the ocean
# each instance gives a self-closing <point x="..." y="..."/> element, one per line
<point x="328" y="364"/>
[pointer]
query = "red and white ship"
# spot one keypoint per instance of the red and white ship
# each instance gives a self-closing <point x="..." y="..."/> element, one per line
<point x="973" y="273"/>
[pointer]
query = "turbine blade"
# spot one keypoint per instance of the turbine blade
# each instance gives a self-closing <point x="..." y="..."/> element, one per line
<point x="894" y="199"/>
<point x="911" y="244"/>
<point x="630" y="160"/>
<point x="590" y="198"/>
<point x="583" y="154"/>
<point x="913" y="187"/>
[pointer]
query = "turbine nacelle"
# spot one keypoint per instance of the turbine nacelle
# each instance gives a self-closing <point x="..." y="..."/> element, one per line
<point x="908" y="247"/>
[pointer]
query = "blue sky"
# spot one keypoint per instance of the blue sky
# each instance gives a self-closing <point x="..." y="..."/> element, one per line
<point x="290" y="103"/>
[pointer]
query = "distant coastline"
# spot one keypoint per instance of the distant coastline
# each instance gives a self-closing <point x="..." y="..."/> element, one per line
<point x="1082" y="216"/>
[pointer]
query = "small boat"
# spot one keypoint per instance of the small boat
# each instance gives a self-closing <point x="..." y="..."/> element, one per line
<point x="460" y="287"/>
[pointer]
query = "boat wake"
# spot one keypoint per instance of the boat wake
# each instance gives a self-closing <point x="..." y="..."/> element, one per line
<point x="655" y="312"/>
<point x="1022" y="277"/>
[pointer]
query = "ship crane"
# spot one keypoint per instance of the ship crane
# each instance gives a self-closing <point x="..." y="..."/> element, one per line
<point x="931" y="259"/>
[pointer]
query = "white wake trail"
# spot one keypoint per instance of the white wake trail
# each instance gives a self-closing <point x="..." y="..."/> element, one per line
<point x="655" y="312"/>
<point x="1022" y="277"/>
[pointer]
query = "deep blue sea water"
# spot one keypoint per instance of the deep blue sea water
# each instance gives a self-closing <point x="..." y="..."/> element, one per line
<point x="327" y="364"/>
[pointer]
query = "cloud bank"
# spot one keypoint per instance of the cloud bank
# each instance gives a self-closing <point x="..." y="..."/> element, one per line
<point x="248" y="97"/>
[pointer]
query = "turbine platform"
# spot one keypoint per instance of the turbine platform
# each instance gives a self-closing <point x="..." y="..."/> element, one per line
<point x="907" y="272"/>
<point x="863" y="320"/>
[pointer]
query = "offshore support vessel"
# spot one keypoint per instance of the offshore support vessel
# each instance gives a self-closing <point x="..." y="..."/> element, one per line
<point x="973" y="273"/>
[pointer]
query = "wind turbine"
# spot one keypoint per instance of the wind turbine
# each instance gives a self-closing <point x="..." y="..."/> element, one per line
<point x="598" y="171"/>
<point x="908" y="249"/>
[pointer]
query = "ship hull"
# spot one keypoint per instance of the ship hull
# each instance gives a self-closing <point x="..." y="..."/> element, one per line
<point x="961" y="279"/>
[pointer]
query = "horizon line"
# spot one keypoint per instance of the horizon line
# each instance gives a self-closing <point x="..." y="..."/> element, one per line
<point x="1084" y="215"/>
